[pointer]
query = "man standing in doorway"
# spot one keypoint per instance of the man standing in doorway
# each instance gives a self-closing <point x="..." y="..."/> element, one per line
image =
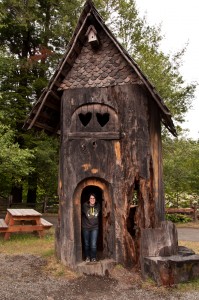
<point x="90" y="227"/>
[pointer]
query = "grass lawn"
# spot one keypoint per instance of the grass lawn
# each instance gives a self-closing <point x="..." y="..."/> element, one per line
<point x="29" y="243"/>
<point x="23" y="243"/>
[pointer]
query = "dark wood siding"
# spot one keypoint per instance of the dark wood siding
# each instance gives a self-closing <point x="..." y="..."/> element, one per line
<point x="133" y="155"/>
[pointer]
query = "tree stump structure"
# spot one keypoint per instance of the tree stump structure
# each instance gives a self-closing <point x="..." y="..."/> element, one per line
<point x="109" y="119"/>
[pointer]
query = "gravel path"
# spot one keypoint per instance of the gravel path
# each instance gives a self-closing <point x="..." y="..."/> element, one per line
<point x="22" y="277"/>
<point x="188" y="234"/>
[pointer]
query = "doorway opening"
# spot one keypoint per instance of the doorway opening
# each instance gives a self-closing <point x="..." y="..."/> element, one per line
<point x="106" y="238"/>
<point x="91" y="189"/>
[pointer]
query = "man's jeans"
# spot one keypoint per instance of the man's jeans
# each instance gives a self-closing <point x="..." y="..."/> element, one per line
<point x="90" y="242"/>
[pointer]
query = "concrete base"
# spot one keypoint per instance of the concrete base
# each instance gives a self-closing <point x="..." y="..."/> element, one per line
<point x="172" y="269"/>
<point x="101" y="268"/>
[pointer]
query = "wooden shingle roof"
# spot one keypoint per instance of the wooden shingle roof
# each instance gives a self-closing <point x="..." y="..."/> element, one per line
<point x="100" y="68"/>
<point x="110" y="65"/>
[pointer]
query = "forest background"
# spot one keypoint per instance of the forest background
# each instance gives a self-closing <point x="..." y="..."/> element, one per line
<point x="33" y="37"/>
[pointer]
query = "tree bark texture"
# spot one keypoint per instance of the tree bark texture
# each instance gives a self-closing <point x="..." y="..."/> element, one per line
<point x="119" y="157"/>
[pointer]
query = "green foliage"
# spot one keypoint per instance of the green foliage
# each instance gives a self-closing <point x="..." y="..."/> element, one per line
<point x="106" y="8"/>
<point x="33" y="36"/>
<point x="28" y="243"/>
<point x="190" y="286"/>
<point x="39" y="157"/>
<point x="178" y="218"/>
<point x="181" y="171"/>
<point x="46" y="155"/>
<point x="143" y="43"/>
<point x="163" y="72"/>
<point x="44" y="164"/>
<point x="15" y="163"/>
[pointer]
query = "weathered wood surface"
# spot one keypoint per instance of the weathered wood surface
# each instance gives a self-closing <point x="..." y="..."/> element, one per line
<point x="110" y="126"/>
<point x="100" y="68"/>
<point x="45" y="223"/>
<point x="23" y="220"/>
<point x="84" y="67"/>
<point x="115" y="166"/>
<point x="98" y="135"/>
<point x="180" y="210"/>
<point x="3" y="224"/>
<point x="156" y="242"/>
<point x="162" y="241"/>
<point x="23" y="212"/>
<point x="110" y="143"/>
<point x="172" y="270"/>
<point x="100" y="268"/>
<point x="22" y="228"/>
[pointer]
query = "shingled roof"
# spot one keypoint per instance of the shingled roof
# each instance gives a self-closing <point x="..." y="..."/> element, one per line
<point x="111" y="65"/>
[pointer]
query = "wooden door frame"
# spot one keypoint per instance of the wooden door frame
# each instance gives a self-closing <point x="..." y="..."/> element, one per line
<point x="107" y="202"/>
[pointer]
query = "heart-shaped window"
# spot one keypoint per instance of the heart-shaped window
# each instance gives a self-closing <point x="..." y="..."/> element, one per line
<point x="102" y="118"/>
<point x="85" y="118"/>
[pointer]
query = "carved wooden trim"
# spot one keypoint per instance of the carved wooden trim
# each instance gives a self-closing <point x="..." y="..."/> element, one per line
<point x="97" y="135"/>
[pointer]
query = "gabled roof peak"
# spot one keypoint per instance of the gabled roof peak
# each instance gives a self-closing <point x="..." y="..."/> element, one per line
<point x="89" y="2"/>
<point x="51" y="95"/>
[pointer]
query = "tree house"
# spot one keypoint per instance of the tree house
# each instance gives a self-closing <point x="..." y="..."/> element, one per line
<point x="109" y="119"/>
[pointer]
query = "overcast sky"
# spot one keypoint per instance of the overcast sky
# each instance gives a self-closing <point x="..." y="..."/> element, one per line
<point x="180" y="24"/>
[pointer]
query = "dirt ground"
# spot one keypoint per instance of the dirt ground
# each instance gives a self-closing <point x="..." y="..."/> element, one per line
<point x="27" y="277"/>
<point x="24" y="277"/>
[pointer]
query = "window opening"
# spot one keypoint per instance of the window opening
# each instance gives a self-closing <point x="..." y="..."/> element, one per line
<point x="85" y="118"/>
<point x="102" y="118"/>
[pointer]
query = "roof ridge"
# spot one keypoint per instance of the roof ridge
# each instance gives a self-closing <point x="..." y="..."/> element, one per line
<point x="88" y="10"/>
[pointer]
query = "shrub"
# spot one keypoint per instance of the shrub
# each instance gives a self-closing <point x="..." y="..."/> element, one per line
<point x="178" y="218"/>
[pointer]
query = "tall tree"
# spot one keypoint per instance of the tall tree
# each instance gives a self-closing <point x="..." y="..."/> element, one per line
<point x="15" y="163"/>
<point x="33" y="34"/>
<point x="181" y="169"/>
<point x="143" y="43"/>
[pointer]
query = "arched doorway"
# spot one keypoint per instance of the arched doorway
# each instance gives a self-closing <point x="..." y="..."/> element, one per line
<point x="106" y="240"/>
<point x="99" y="198"/>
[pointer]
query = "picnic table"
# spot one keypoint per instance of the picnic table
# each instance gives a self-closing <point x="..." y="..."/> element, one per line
<point x="23" y="220"/>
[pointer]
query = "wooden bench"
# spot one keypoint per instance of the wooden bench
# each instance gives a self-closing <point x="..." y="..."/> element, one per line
<point x="45" y="223"/>
<point x="3" y="224"/>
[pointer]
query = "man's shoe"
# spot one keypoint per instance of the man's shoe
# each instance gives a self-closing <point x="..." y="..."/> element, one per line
<point x="87" y="259"/>
<point x="93" y="260"/>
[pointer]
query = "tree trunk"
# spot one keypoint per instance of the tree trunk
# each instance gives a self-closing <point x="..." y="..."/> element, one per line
<point x="16" y="193"/>
<point x="32" y="190"/>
